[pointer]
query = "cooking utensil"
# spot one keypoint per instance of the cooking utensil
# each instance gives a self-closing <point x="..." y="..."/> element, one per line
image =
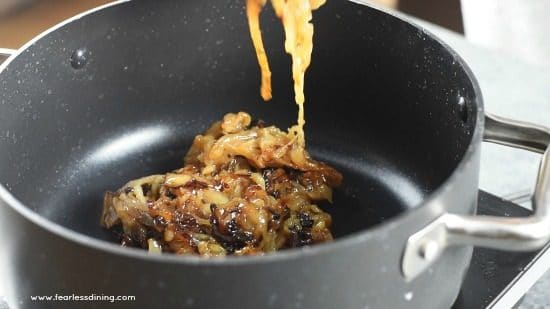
<point x="119" y="92"/>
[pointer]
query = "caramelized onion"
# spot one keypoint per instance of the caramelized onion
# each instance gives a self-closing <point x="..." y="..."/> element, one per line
<point x="296" y="17"/>
<point x="242" y="191"/>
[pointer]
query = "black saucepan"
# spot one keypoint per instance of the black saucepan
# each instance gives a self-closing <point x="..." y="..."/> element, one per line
<point x="120" y="92"/>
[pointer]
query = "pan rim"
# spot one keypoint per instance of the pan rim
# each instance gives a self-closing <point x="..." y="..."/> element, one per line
<point x="284" y="255"/>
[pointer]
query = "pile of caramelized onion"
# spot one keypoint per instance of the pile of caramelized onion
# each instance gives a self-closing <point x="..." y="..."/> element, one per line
<point x="245" y="189"/>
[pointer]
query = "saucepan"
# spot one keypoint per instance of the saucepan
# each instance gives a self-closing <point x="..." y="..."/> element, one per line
<point x="120" y="91"/>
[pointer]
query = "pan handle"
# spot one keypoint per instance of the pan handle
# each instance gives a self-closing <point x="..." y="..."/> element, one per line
<point x="513" y="234"/>
<point x="6" y="53"/>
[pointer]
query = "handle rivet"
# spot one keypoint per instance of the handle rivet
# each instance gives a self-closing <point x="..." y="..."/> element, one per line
<point x="79" y="58"/>
<point x="429" y="250"/>
<point x="462" y="109"/>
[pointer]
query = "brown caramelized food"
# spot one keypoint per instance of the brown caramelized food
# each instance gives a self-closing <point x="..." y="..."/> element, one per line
<point x="243" y="190"/>
<point x="296" y="16"/>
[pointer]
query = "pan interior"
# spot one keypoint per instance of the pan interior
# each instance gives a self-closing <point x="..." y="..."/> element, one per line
<point x="374" y="189"/>
<point x="386" y="104"/>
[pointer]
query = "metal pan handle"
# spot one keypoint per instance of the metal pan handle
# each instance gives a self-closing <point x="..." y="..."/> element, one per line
<point x="513" y="234"/>
<point x="5" y="53"/>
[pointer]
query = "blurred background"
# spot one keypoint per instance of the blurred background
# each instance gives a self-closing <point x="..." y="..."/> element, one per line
<point x="516" y="27"/>
<point x="20" y="20"/>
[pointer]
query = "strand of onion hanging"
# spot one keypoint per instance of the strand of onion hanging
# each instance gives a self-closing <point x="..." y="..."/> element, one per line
<point x="296" y="17"/>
